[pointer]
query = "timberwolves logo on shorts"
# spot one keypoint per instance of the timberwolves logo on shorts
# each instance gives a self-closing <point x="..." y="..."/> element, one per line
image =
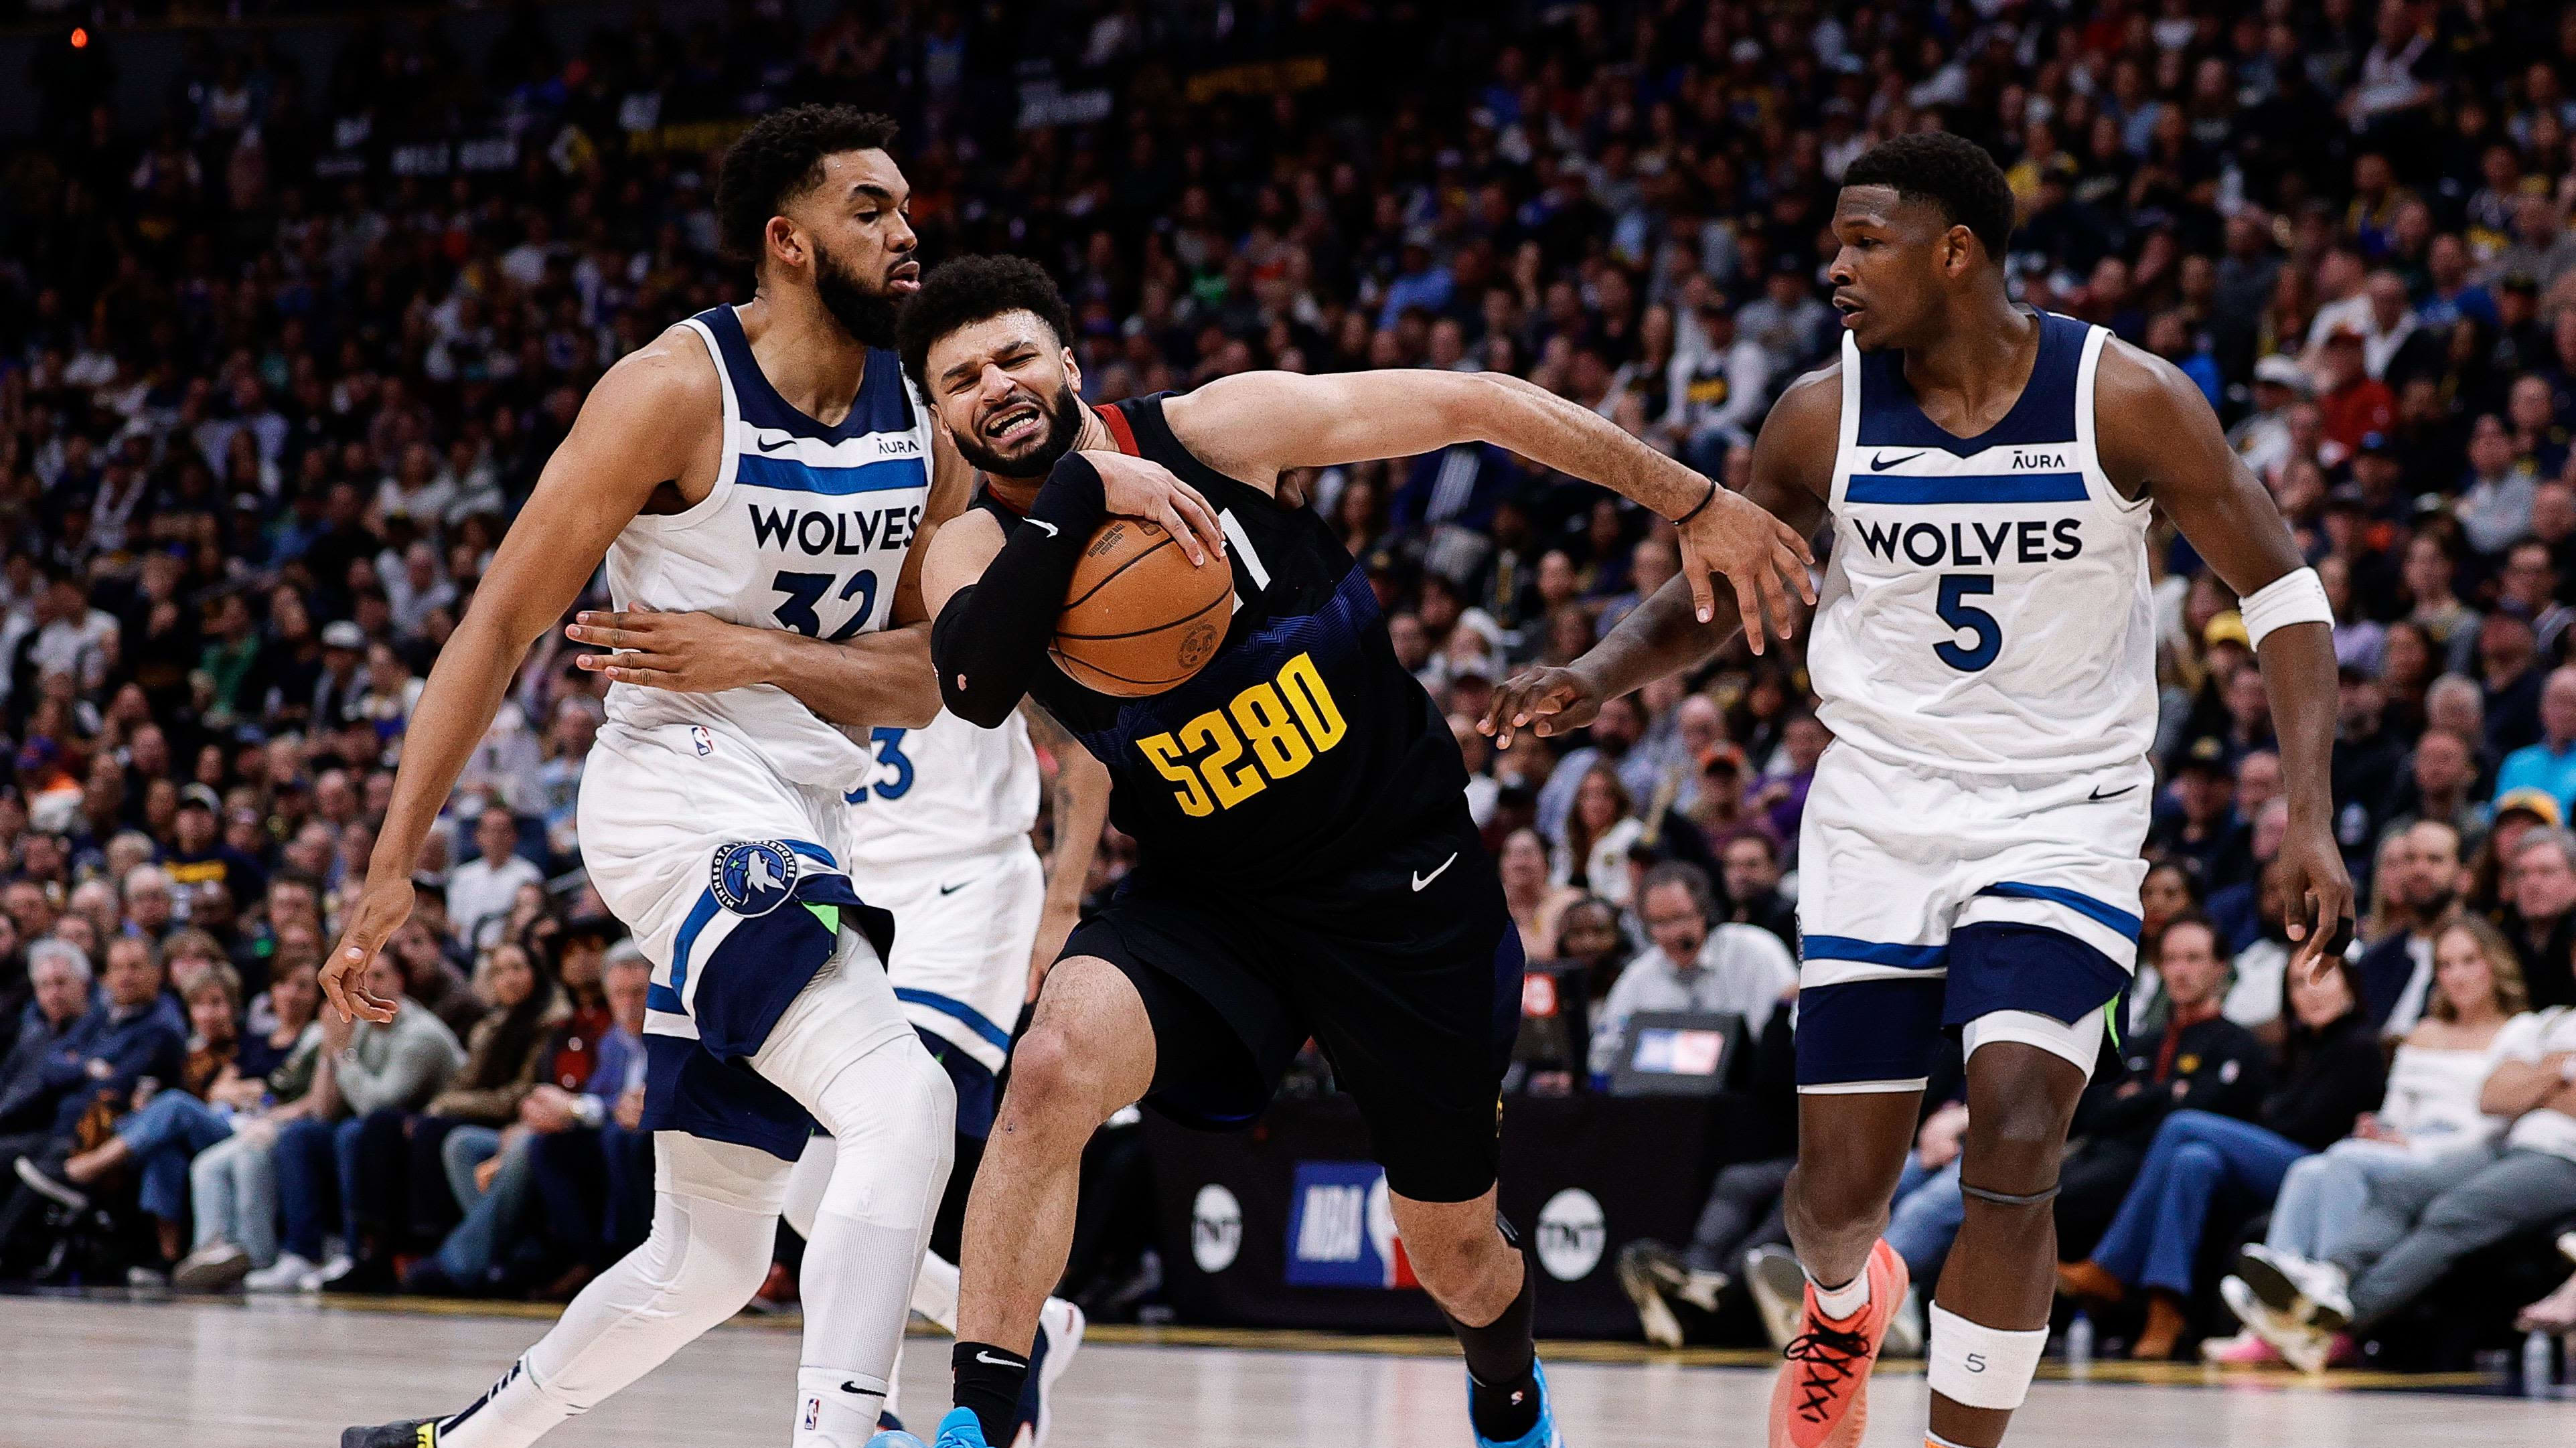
<point x="752" y="877"/>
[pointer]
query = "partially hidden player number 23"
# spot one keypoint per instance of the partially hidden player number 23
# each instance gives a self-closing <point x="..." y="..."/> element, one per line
<point x="1265" y="734"/>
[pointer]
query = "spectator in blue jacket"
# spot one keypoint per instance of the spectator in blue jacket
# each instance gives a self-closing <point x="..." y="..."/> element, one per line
<point x="133" y="1036"/>
<point x="58" y="973"/>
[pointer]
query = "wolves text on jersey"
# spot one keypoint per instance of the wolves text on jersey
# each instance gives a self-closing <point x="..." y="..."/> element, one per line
<point x="1970" y="542"/>
<point x="817" y="531"/>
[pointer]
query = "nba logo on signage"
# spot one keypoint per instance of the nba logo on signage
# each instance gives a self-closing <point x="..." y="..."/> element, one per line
<point x="1341" y="1228"/>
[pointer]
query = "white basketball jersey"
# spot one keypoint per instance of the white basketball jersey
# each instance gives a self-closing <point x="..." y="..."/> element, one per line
<point x="805" y="529"/>
<point x="939" y="792"/>
<point x="1985" y="607"/>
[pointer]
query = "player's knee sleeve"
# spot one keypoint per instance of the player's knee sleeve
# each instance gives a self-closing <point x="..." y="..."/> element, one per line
<point x="893" y="1118"/>
<point x="1982" y="1367"/>
<point x="892" y="1113"/>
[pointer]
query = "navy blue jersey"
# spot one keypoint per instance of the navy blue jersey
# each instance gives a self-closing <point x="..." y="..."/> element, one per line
<point x="1303" y="748"/>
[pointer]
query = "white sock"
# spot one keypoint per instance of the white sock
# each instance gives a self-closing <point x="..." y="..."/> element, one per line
<point x="835" y="1408"/>
<point x="517" y="1411"/>
<point x="1839" y="1304"/>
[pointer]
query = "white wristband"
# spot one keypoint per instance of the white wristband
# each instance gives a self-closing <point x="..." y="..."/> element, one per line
<point x="2295" y="597"/>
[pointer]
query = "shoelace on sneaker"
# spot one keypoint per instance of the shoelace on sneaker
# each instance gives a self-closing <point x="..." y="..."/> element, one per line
<point x="1829" y="1354"/>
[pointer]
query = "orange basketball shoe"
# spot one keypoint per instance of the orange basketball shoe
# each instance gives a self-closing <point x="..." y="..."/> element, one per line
<point x="1822" y="1397"/>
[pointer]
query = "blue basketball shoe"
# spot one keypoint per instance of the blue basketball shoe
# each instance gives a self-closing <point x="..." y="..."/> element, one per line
<point x="961" y="1429"/>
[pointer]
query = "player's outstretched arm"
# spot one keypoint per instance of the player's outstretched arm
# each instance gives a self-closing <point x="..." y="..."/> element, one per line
<point x="875" y="678"/>
<point x="2155" y="428"/>
<point x="995" y="602"/>
<point x="641" y="426"/>
<point x="1668" y="632"/>
<point x="1256" y="424"/>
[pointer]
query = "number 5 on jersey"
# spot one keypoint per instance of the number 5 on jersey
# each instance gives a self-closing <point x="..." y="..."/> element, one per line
<point x="1265" y="734"/>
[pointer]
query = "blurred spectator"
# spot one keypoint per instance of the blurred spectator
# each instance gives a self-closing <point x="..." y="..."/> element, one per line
<point x="233" y="1183"/>
<point x="1536" y="902"/>
<point x="1752" y="864"/>
<point x="379" y="1075"/>
<point x="131" y="1043"/>
<point x="2420" y="1220"/>
<point x="1599" y="829"/>
<point x="481" y="891"/>
<point x="2198" y="1061"/>
<point x="430" y="978"/>
<point x="167" y="1127"/>
<point x="2330" y="1074"/>
<point x="1693" y="965"/>
<point x="506" y="1055"/>
<point x="2432" y="1109"/>
<point x="2419" y="882"/>
<point x="2539" y="916"/>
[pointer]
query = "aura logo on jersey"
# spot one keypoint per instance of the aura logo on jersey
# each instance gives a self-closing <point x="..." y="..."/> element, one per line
<point x="1341" y="1228"/>
<point x="752" y="877"/>
<point x="1267" y="733"/>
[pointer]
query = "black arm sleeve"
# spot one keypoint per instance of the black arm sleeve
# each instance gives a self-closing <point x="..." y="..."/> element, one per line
<point x="991" y="636"/>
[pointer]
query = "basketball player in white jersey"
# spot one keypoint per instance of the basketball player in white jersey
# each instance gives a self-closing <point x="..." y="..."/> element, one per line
<point x="1985" y="655"/>
<point x="941" y="836"/>
<point x="768" y="465"/>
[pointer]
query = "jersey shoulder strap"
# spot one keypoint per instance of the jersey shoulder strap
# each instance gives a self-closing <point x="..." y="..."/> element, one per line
<point x="1141" y="430"/>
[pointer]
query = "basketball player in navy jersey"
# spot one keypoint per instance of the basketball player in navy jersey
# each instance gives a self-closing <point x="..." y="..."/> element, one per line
<point x="1985" y="655"/>
<point x="1306" y="865"/>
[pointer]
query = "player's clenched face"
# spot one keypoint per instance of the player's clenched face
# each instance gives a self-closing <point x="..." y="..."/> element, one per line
<point x="851" y="229"/>
<point x="1894" y="259"/>
<point x="1007" y="392"/>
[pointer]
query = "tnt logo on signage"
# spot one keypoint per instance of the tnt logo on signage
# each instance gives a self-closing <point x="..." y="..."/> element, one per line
<point x="1341" y="1228"/>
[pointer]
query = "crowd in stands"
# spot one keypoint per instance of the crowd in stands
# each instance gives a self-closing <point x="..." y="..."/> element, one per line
<point x="278" y="361"/>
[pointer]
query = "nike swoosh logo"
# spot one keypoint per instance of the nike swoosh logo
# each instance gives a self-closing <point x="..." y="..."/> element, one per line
<point x="765" y="445"/>
<point x="1879" y="463"/>
<point x="862" y="1392"/>
<point x="1420" y="879"/>
<point x="990" y="1361"/>
<point x="2115" y="794"/>
<point x="953" y="889"/>
<point x="1052" y="530"/>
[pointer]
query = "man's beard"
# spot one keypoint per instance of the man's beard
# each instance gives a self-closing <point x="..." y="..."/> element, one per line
<point x="1064" y="422"/>
<point x="867" y="316"/>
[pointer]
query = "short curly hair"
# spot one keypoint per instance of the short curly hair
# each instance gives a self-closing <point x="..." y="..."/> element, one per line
<point x="781" y="158"/>
<point x="1952" y="172"/>
<point x="968" y="290"/>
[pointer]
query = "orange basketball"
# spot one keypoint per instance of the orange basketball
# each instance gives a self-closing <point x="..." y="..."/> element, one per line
<point x="1138" y="619"/>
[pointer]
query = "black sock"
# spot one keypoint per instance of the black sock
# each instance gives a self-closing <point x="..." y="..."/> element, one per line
<point x="1502" y="1362"/>
<point x="989" y="1380"/>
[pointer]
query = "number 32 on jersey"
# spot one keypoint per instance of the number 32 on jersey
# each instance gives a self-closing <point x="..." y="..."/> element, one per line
<point x="1265" y="734"/>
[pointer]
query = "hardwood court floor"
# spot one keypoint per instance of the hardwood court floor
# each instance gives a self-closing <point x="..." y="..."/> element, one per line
<point x="104" y="1374"/>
